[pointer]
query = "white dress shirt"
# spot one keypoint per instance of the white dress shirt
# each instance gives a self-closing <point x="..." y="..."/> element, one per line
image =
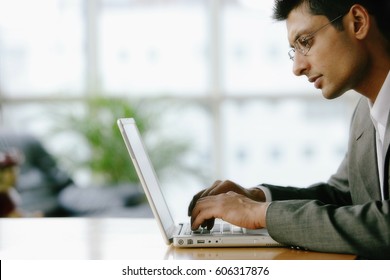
<point x="379" y="115"/>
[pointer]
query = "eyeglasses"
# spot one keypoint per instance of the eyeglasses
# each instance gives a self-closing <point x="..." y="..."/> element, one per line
<point x="304" y="42"/>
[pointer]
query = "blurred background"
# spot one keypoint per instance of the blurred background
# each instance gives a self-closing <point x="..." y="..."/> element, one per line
<point x="209" y="82"/>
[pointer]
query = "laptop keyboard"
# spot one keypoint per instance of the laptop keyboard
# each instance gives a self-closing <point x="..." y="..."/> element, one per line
<point x="220" y="228"/>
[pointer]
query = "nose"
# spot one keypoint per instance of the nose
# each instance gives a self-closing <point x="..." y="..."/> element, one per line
<point x="301" y="65"/>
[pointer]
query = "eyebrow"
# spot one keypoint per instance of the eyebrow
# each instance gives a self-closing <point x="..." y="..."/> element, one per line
<point x="295" y="38"/>
<point x="300" y="34"/>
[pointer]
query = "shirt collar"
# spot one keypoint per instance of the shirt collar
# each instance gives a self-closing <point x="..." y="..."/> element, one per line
<point x="380" y="109"/>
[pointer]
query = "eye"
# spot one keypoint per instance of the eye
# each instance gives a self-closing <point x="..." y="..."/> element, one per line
<point x="305" y="42"/>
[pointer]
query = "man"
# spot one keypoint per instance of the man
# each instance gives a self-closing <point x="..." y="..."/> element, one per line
<point x="339" y="45"/>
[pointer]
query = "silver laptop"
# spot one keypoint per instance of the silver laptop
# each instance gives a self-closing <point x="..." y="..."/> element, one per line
<point x="180" y="234"/>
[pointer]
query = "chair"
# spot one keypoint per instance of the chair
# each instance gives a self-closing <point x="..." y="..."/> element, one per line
<point x="39" y="179"/>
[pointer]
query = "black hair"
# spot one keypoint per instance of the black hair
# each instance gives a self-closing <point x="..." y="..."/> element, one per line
<point x="379" y="9"/>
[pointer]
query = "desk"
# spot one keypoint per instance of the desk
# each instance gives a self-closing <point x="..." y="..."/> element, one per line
<point x="117" y="239"/>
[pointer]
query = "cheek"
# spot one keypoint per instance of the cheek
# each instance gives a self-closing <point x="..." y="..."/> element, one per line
<point x="341" y="68"/>
<point x="351" y="68"/>
<point x="338" y="75"/>
<point x="351" y="56"/>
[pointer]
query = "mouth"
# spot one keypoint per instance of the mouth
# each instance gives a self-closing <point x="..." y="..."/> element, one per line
<point x="316" y="80"/>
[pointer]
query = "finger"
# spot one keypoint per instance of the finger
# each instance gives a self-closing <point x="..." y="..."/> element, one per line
<point x="210" y="190"/>
<point x="225" y="186"/>
<point x="216" y="188"/>
<point x="199" y="195"/>
<point x="210" y="223"/>
<point x="203" y="213"/>
<point x="193" y="202"/>
<point x="204" y="223"/>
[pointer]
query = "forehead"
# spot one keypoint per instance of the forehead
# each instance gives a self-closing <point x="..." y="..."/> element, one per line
<point x="300" y="21"/>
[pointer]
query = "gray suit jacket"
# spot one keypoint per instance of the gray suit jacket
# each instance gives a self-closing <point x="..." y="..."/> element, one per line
<point x="346" y="214"/>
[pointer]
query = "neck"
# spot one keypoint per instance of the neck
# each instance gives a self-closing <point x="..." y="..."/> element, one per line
<point x="377" y="68"/>
<point x="375" y="73"/>
<point x="373" y="82"/>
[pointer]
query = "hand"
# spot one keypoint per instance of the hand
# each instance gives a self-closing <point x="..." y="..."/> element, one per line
<point x="232" y="207"/>
<point x="220" y="187"/>
<point x="223" y="187"/>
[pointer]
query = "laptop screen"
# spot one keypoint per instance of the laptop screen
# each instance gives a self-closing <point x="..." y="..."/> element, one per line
<point x="146" y="173"/>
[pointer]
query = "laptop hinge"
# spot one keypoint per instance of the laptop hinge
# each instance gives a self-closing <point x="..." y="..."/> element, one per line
<point x="179" y="229"/>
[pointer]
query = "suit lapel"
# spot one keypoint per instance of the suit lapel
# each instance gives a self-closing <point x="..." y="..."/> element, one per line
<point x="386" y="144"/>
<point x="366" y="155"/>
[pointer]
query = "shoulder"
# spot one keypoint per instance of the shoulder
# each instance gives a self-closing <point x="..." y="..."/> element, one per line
<point x="362" y="109"/>
<point x="361" y="119"/>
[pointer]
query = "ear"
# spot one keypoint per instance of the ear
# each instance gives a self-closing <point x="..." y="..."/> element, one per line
<point x="360" y="21"/>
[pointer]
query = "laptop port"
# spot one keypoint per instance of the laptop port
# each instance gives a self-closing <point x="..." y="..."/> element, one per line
<point x="200" y="241"/>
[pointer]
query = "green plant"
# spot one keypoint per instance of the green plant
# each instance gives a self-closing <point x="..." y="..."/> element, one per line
<point x="108" y="159"/>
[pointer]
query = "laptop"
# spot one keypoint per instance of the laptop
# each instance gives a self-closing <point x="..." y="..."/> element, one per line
<point x="179" y="233"/>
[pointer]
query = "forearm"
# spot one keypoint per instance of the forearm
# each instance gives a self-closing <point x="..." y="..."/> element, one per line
<point x="362" y="229"/>
<point x="326" y="193"/>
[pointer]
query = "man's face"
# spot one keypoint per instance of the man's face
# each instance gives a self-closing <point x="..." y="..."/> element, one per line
<point x="333" y="63"/>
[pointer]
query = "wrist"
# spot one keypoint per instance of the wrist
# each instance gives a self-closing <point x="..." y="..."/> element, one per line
<point x="257" y="194"/>
<point x="263" y="214"/>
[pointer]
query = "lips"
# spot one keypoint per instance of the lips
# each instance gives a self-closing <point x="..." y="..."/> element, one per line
<point x="316" y="80"/>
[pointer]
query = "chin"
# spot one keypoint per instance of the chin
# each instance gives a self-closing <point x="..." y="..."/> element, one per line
<point x="331" y="94"/>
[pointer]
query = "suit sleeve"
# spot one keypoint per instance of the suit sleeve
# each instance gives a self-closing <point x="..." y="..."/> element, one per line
<point x="322" y="227"/>
<point x="343" y="215"/>
<point x="322" y="218"/>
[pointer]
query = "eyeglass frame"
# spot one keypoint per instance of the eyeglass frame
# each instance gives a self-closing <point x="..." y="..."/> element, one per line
<point x="305" y="38"/>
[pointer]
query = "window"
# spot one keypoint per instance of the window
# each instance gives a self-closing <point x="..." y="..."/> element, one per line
<point x="219" y="67"/>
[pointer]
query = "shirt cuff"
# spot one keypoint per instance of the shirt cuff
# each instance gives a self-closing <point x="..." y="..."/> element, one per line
<point x="267" y="193"/>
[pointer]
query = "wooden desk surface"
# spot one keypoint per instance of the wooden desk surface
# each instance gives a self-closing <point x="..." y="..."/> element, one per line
<point x="116" y="239"/>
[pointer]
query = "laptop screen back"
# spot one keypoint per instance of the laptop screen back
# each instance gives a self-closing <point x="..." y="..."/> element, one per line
<point x="147" y="174"/>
